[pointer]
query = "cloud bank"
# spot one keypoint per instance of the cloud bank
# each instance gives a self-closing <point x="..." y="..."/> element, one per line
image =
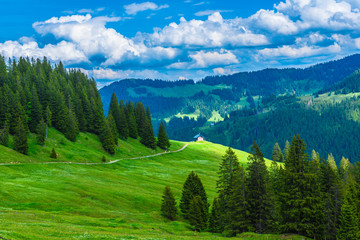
<point x="293" y="31"/>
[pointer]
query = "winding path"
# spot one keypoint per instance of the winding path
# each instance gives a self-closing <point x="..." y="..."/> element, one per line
<point x="111" y="162"/>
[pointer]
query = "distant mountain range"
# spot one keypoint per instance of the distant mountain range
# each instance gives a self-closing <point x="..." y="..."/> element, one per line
<point x="319" y="102"/>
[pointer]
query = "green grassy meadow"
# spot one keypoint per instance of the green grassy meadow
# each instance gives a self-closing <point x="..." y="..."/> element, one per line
<point x="105" y="201"/>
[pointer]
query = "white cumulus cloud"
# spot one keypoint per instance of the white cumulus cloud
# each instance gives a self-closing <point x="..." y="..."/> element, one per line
<point x="214" y="32"/>
<point x="134" y="8"/>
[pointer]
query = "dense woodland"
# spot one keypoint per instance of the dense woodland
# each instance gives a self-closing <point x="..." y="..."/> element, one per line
<point x="327" y="127"/>
<point x="257" y="83"/>
<point x="306" y="195"/>
<point x="34" y="95"/>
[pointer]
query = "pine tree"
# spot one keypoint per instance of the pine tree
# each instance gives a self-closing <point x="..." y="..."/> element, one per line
<point x="168" y="204"/>
<point x="258" y="196"/>
<point x="41" y="132"/>
<point x="228" y="169"/>
<point x="330" y="187"/>
<point x="20" y="138"/>
<point x="163" y="141"/>
<point x="71" y="129"/>
<point x="4" y="135"/>
<point x="148" y="138"/>
<point x="114" y="110"/>
<point x="215" y="225"/>
<point x="122" y="124"/>
<point x="192" y="187"/>
<point x="53" y="153"/>
<point x="277" y="155"/>
<point x="35" y="115"/>
<point x="107" y="138"/>
<point x="300" y="198"/>
<point x="286" y="149"/>
<point x="140" y="116"/>
<point x="236" y="213"/>
<point x="112" y="123"/>
<point x="133" y="133"/>
<point x="197" y="215"/>
<point x="349" y="221"/>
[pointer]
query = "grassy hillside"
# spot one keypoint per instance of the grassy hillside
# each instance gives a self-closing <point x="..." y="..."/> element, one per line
<point x="87" y="148"/>
<point x="106" y="201"/>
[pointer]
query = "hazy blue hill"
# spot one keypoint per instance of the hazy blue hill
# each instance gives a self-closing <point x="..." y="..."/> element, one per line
<point x="224" y="94"/>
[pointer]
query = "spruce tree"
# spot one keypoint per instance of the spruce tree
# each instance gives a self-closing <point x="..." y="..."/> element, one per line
<point x="236" y="212"/>
<point x="228" y="167"/>
<point x="71" y="129"/>
<point x="140" y="116"/>
<point x="114" y="110"/>
<point x="41" y="132"/>
<point x="258" y="195"/>
<point x="215" y="225"/>
<point x="112" y="124"/>
<point x="20" y="138"/>
<point x="300" y="198"/>
<point x="148" y="138"/>
<point x="277" y="155"/>
<point x="192" y="187"/>
<point x="197" y="215"/>
<point x="122" y="124"/>
<point x="168" y="204"/>
<point x="4" y="135"/>
<point x="349" y="221"/>
<point x="163" y="141"/>
<point x="330" y="187"/>
<point x="35" y="115"/>
<point x="286" y="149"/>
<point x="133" y="133"/>
<point x="107" y="138"/>
<point x="227" y="177"/>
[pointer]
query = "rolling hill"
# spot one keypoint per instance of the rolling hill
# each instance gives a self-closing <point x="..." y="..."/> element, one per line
<point x="219" y="95"/>
<point x="103" y="201"/>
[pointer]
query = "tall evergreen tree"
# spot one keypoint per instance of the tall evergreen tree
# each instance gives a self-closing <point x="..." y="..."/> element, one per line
<point x="197" y="215"/>
<point x="107" y="138"/>
<point x="4" y="135"/>
<point x="35" y="115"/>
<point x="168" y="204"/>
<point x="133" y="132"/>
<point x="330" y="188"/>
<point x="258" y="196"/>
<point x="114" y="110"/>
<point x="71" y="130"/>
<point x="163" y="141"/>
<point x="41" y="132"/>
<point x="215" y="224"/>
<point x="147" y="137"/>
<point x="300" y="201"/>
<point x="286" y="149"/>
<point x="20" y="138"/>
<point x="349" y="221"/>
<point x="112" y="123"/>
<point x="140" y="116"/>
<point x="122" y="125"/>
<point x="227" y="172"/>
<point x="191" y="188"/>
<point x="236" y="214"/>
<point x="277" y="155"/>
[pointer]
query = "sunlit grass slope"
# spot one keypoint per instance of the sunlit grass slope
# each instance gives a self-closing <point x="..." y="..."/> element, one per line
<point x="107" y="201"/>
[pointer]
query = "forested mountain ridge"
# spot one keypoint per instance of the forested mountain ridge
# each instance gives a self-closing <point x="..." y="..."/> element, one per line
<point x="36" y="95"/>
<point x="223" y="94"/>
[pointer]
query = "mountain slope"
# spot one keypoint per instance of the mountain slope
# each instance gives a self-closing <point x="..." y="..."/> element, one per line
<point x="107" y="201"/>
<point x="224" y="94"/>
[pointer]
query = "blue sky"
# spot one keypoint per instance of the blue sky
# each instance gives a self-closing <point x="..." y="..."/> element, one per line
<point x="112" y="40"/>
